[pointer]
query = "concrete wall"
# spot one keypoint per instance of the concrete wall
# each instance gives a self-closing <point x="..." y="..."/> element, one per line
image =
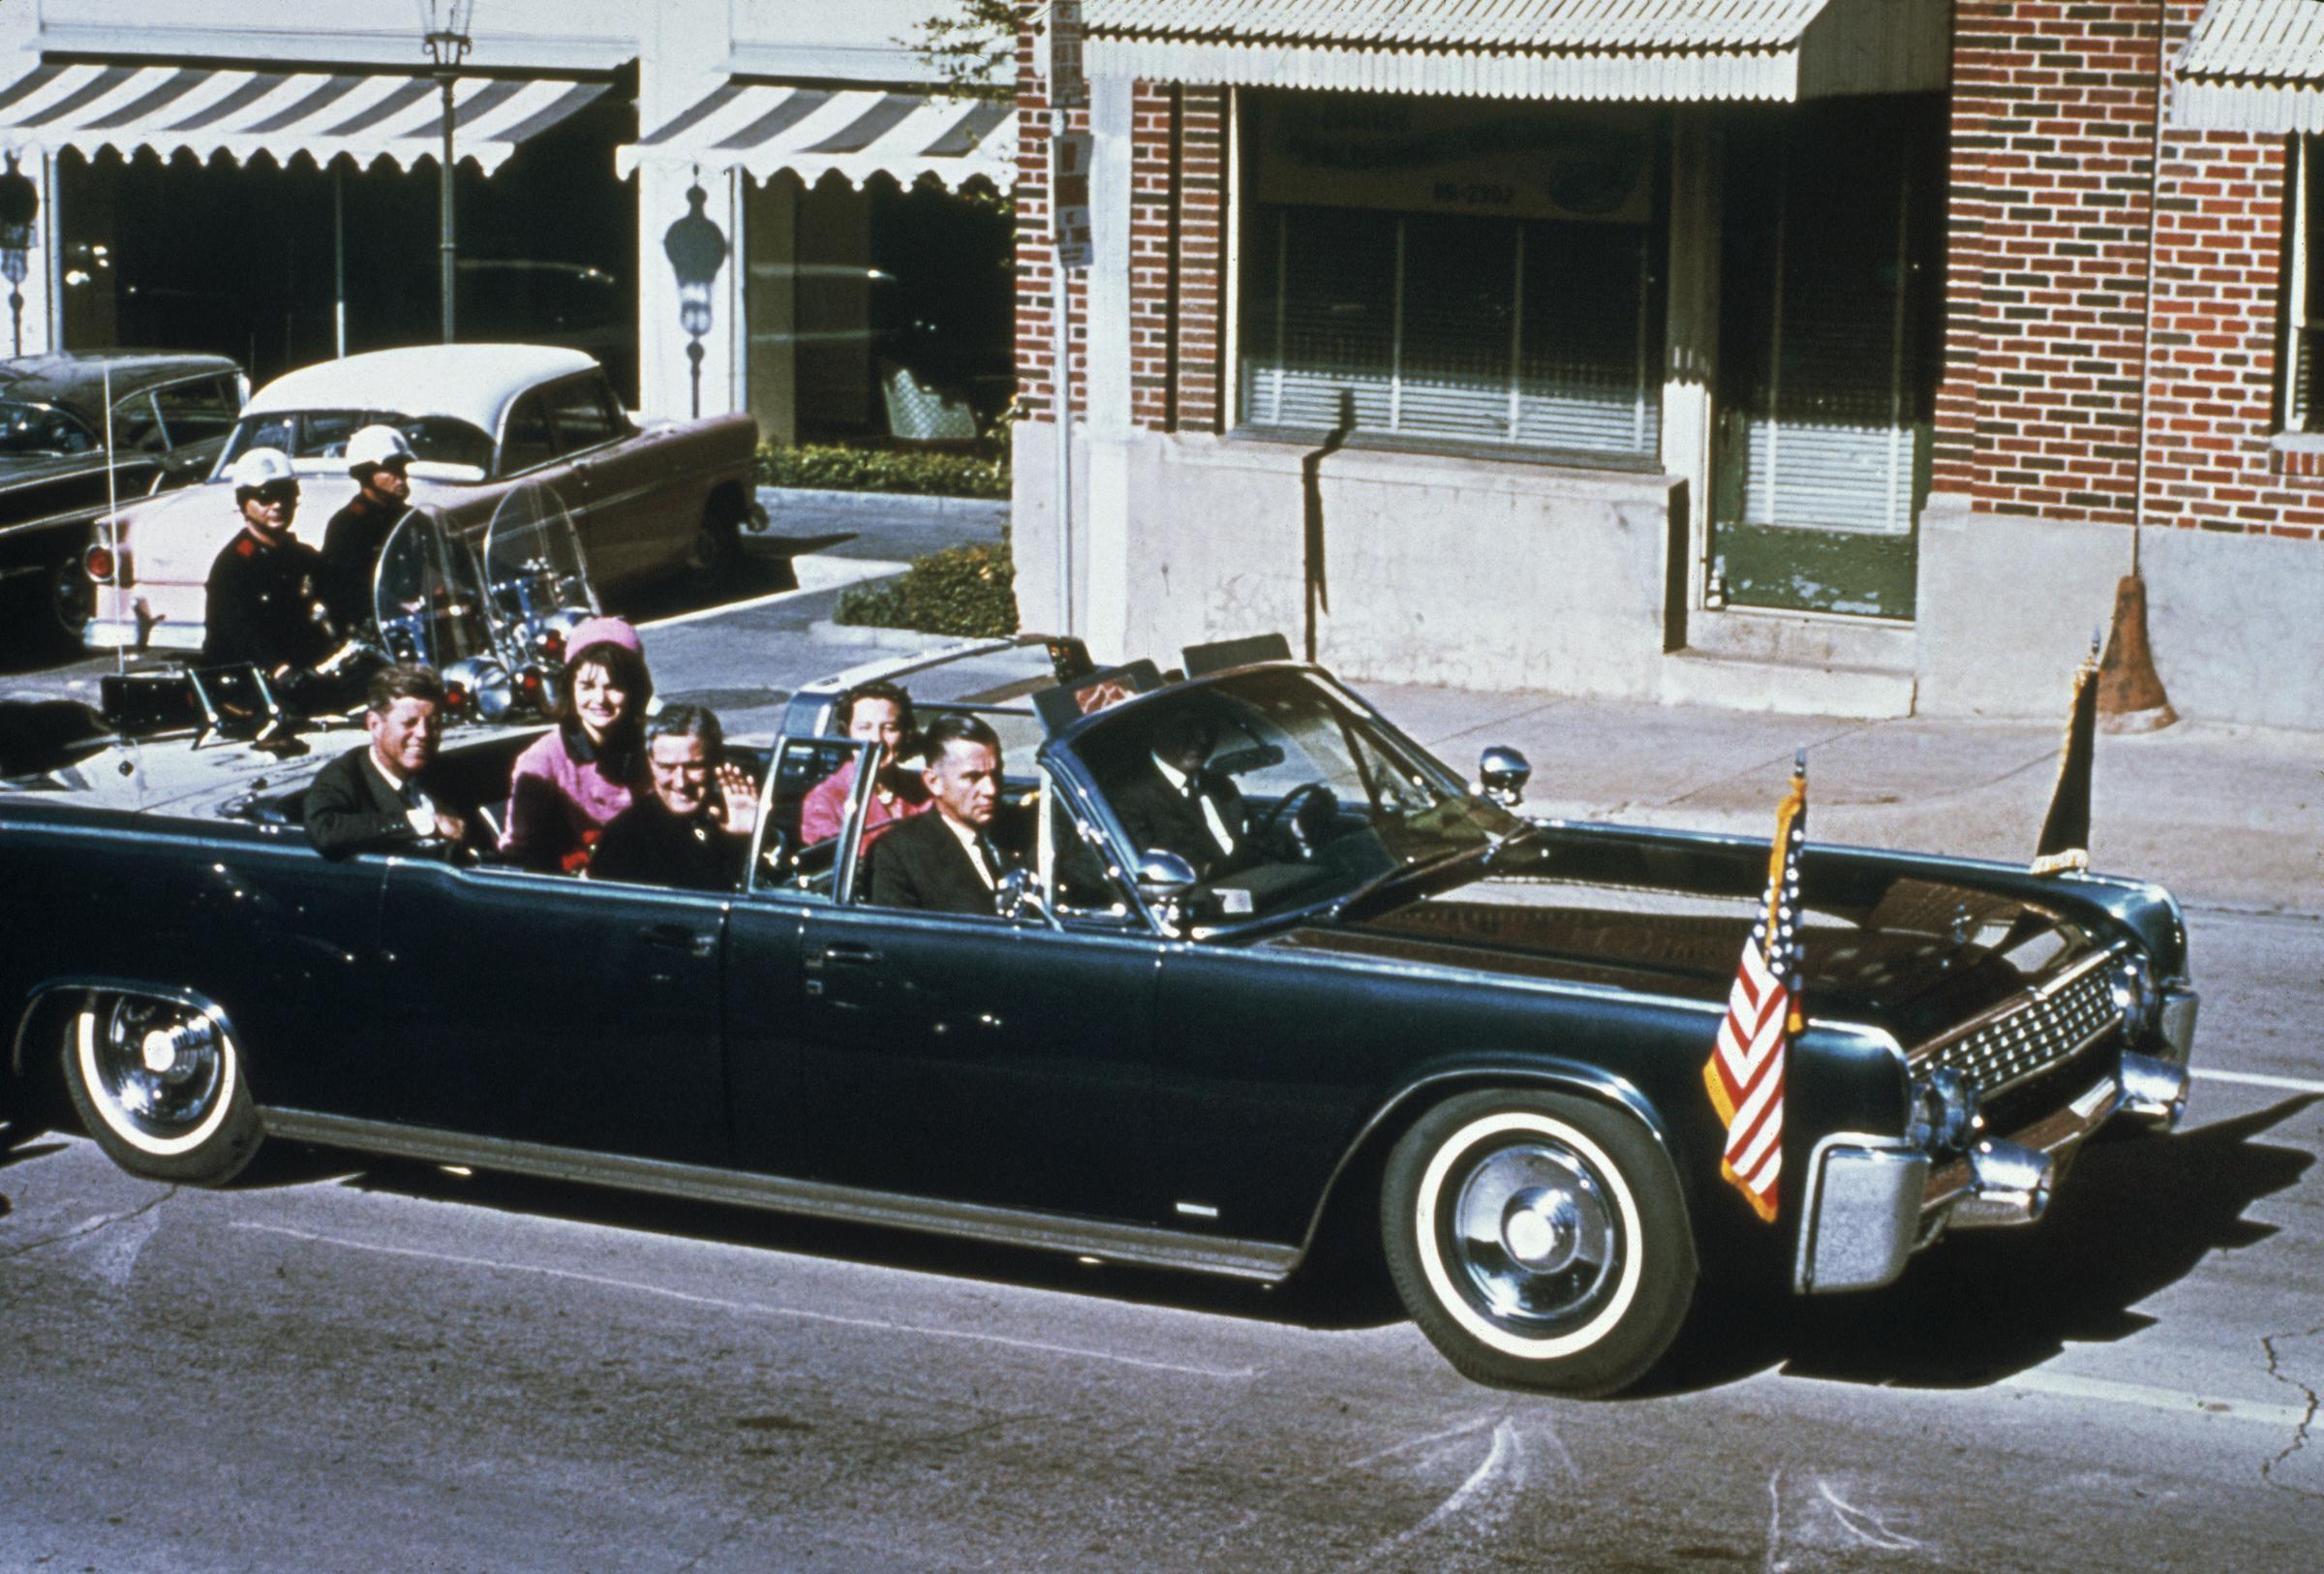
<point x="1460" y="571"/>
<point x="2238" y="625"/>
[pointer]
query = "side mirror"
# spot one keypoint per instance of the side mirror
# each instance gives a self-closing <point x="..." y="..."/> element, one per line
<point x="1164" y="880"/>
<point x="1503" y="772"/>
<point x="1018" y="895"/>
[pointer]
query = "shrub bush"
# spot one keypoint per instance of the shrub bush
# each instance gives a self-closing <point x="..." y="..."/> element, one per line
<point x="970" y="591"/>
<point x="836" y="468"/>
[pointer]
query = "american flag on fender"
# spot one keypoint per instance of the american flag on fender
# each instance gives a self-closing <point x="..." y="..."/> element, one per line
<point x="1745" y="1073"/>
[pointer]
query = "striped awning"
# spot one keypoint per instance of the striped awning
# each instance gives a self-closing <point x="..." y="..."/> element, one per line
<point x="764" y="128"/>
<point x="2253" y="65"/>
<point x="1605" y="49"/>
<point x="280" y="114"/>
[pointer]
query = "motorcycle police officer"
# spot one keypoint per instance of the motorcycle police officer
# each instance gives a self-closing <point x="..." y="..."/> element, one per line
<point x="380" y="459"/>
<point x="263" y="605"/>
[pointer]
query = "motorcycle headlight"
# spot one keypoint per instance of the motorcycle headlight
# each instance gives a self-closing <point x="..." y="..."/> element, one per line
<point x="485" y="685"/>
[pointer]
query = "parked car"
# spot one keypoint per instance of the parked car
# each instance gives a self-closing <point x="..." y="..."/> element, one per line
<point x="1409" y="1012"/>
<point x="171" y="416"/>
<point x="648" y="498"/>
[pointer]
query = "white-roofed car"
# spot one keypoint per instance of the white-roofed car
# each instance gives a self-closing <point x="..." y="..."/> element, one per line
<point x="647" y="499"/>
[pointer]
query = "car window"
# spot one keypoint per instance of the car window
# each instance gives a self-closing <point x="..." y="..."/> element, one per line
<point x="448" y="440"/>
<point x="136" y="426"/>
<point x="586" y="413"/>
<point x="41" y="429"/>
<point x="526" y="439"/>
<point x="787" y="858"/>
<point x="197" y="411"/>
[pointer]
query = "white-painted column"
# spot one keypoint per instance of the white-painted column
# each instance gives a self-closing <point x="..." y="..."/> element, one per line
<point x="1691" y="356"/>
<point x="680" y="49"/>
<point x="1106" y="531"/>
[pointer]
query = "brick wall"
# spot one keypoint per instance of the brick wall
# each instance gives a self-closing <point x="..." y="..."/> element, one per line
<point x="1036" y="256"/>
<point x="2047" y="276"/>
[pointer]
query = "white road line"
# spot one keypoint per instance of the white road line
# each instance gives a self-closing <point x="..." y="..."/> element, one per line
<point x="752" y="1309"/>
<point x="2259" y="1079"/>
<point x="2170" y="1401"/>
<point x="814" y="574"/>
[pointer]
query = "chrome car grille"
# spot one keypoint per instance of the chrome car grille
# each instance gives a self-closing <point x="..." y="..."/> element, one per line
<point x="2026" y="1037"/>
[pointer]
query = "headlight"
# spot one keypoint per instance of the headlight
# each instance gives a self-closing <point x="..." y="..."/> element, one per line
<point x="2134" y="992"/>
<point x="483" y="686"/>
<point x="1943" y="1115"/>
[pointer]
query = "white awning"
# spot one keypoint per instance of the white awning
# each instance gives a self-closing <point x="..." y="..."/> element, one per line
<point x="281" y="115"/>
<point x="1605" y="49"/>
<point x="764" y="128"/>
<point x="2253" y="65"/>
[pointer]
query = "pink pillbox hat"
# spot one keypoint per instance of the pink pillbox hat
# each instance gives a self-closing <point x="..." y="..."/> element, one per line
<point x="603" y="632"/>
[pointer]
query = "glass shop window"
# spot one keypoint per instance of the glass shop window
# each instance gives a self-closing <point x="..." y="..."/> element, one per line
<point x="1454" y="273"/>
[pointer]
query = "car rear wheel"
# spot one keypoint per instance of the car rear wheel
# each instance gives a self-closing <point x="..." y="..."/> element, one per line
<point x="1539" y="1241"/>
<point x="159" y="1085"/>
<point x="68" y="598"/>
<point x="717" y="545"/>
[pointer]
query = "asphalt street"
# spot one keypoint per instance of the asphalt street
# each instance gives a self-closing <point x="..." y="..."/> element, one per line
<point x="339" y="1367"/>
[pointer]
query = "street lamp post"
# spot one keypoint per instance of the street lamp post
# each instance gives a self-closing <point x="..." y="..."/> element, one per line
<point x="20" y="206"/>
<point x="444" y="25"/>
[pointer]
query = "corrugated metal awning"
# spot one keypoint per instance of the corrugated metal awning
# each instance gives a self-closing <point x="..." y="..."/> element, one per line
<point x="2253" y="65"/>
<point x="281" y="115"/>
<point x="1634" y="50"/>
<point x="764" y="128"/>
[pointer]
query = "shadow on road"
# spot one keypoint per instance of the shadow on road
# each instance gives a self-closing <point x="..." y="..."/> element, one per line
<point x="764" y="568"/>
<point x="2134" y="1217"/>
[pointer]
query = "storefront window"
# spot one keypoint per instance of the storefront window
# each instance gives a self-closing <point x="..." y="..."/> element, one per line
<point x="1478" y="274"/>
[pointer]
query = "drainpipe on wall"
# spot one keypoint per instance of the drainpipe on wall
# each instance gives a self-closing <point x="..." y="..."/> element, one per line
<point x="2130" y="692"/>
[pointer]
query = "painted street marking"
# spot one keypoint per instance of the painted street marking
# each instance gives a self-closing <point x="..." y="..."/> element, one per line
<point x="750" y="1308"/>
<point x="814" y="574"/>
<point x="2168" y="1401"/>
<point x="2259" y="1079"/>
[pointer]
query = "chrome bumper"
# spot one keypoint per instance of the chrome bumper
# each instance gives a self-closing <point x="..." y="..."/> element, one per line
<point x="1873" y="1201"/>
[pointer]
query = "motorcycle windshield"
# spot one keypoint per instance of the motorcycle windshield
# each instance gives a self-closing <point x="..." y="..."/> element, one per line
<point x="533" y="564"/>
<point x="427" y="596"/>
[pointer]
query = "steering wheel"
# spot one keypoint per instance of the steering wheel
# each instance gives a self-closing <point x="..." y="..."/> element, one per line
<point x="1300" y="817"/>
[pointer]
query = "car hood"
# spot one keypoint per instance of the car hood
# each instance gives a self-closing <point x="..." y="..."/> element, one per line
<point x="1917" y="957"/>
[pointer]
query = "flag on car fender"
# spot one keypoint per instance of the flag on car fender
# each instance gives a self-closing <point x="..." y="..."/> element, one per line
<point x="2065" y="834"/>
<point x="1745" y="1073"/>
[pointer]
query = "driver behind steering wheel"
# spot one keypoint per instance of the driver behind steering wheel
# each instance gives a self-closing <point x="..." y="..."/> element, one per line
<point x="1172" y="802"/>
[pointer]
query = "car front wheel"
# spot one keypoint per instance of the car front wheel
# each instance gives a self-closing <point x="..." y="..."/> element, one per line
<point x="1539" y="1241"/>
<point x="160" y="1086"/>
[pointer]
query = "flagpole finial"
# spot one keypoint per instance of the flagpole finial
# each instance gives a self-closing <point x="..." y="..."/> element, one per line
<point x="1800" y="760"/>
<point x="2097" y="641"/>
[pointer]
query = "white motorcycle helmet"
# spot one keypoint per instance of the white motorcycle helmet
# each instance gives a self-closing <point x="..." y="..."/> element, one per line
<point x="371" y="448"/>
<point x="259" y="469"/>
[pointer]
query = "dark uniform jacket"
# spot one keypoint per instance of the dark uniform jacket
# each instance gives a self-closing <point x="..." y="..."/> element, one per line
<point x="646" y="844"/>
<point x="351" y="557"/>
<point x="350" y="807"/>
<point x="1158" y="816"/>
<point x="262" y="604"/>
<point x="920" y="863"/>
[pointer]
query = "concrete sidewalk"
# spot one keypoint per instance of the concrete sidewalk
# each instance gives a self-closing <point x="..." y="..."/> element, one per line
<point x="2224" y="815"/>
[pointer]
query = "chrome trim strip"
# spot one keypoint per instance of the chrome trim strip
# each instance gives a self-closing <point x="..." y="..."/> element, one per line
<point x="2176" y="1020"/>
<point x="2059" y="1134"/>
<point x="1139" y="1243"/>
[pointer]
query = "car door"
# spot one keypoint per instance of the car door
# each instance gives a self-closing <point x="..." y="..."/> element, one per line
<point x="623" y="523"/>
<point x="197" y="415"/>
<point x="560" y="1012"/>
<point x="979" y="1058"/>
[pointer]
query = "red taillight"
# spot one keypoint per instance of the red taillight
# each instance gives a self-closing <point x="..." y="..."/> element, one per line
<point x="455" y="697"/>
<point x="98" y="562"/>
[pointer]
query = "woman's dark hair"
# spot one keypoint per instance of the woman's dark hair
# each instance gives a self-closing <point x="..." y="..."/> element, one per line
<point x="878" y="689"/>
<point x="624" y="665"/>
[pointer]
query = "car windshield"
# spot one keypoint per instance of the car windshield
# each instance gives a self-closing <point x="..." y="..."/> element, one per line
<point x="1281" y="789"/>
<point x="323" y="434"/>
<point x="34" y="431"/>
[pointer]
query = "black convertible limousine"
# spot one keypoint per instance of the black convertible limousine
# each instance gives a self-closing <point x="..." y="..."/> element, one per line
<point x="1481" y="1037"/>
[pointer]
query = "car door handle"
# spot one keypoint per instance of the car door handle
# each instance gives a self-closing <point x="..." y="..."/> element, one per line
<point x="850" y="956"/>
<point x="679" y="938"/>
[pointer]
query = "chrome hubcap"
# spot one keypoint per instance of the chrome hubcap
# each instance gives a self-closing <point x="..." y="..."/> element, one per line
<point x="160" y="1065"/>
<point x="1533" y="1237"/>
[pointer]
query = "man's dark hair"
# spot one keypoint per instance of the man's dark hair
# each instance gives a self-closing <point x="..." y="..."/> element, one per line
<point x="687" y="721"/>
<point x="407" y="681"/>
<point x="947" y="729"/>
<point x="878" y="689"/>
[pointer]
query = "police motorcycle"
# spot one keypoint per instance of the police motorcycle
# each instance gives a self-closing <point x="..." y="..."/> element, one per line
<point x="491" y="615"/>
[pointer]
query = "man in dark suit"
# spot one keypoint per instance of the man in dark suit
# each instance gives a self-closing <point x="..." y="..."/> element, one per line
<point x="379" y="799"/>
<point x="1172" y="802"/>
<point x="947" y="861"/>
<point x="693" y="830"/>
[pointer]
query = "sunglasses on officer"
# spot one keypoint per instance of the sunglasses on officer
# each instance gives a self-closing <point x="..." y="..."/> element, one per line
<point x="277" y="492"/>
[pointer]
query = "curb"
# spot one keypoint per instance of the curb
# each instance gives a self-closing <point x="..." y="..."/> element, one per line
<point x="863" y="636"/>
<point x="777" y="499"/>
